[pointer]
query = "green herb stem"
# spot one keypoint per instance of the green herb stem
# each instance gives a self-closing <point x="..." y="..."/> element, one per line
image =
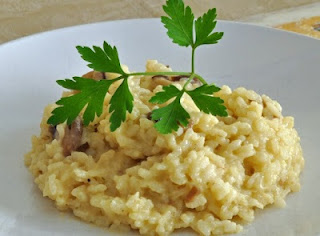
<point x="192" y="60"/>
<point x="188" y="81"/>
<point x="203" y="81"/>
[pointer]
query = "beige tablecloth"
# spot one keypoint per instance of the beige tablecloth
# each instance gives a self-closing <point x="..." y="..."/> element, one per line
<point x="24" y="17"/>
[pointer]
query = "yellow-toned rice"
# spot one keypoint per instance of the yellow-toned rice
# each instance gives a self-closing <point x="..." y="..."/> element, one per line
<point x="210" y="176"/>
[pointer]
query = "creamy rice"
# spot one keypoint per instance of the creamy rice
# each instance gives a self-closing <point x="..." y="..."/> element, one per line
<point x="210" y="176"/>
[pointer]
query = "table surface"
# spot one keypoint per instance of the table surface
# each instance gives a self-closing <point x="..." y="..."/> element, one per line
<point x="20" y="18"/>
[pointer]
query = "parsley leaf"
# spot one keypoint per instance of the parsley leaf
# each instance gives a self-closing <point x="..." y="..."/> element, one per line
<point x="179" y="23"/>
<point x="171" y="116"/>
<point x="105" y="60"/>
<point x="91" y="93"/>
<point x="202" y="97"/>
<point x="165" y="95"/>
<point x="120" y="103"/>
<point x="204" y="26"/>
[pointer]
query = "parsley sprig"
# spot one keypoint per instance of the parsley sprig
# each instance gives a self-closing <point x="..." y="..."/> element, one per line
<point x="90" y="95"/>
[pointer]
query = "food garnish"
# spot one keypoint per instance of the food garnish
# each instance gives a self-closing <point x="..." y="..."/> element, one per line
<point x="90" y="94"/>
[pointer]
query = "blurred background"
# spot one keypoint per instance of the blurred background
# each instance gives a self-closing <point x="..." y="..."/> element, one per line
<point x="24" y="17"/>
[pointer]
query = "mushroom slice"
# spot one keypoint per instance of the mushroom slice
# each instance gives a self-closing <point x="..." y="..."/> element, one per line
<point x="72" y="137"/>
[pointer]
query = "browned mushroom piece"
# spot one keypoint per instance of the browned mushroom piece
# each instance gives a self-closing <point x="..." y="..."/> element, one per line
<point x="149" y="115"/>
<point x="161" y="80"/>
<point x="72" y="137"/>
<point x="88" y="75"/>
<point x="178" y="77"/>
<point x="96" y="75"/>
<point x="192" y="193"/>
<point x="53" y="131"/>
<point x="83" y="147"/>
<point x="166" y="80"/>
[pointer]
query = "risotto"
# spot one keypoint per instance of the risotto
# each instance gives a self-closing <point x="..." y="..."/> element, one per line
<point x="209" y="176"/>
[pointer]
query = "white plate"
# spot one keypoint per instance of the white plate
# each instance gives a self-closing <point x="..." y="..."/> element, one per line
<point x="282" y="65"/>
